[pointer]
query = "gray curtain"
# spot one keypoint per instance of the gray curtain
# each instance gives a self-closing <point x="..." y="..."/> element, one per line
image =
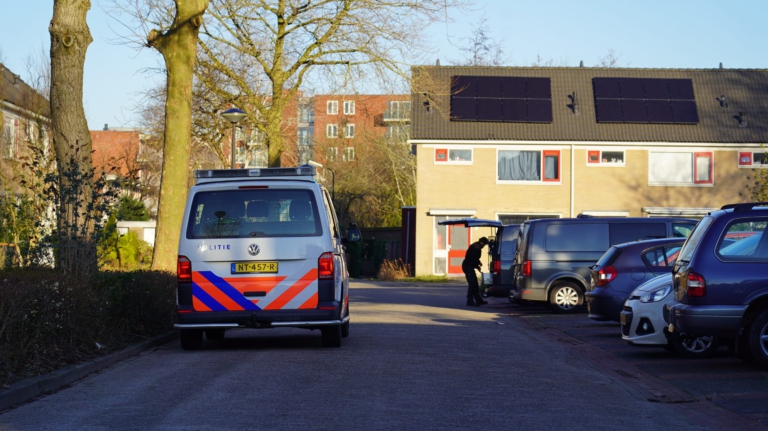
<point x="550" y="167"/>
<point x="519" y="165"/>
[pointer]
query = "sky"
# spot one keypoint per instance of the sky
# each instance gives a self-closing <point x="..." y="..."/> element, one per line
<point x="641" y="33"/>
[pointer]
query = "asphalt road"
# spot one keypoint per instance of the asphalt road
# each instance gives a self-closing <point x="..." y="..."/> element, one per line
<point x="416" y="359"/>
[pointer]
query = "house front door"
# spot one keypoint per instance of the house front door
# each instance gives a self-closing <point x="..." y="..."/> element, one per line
<point x="458" y="242"/>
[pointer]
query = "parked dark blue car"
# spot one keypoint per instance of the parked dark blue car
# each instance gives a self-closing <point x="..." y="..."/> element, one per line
<point x="623" y="268"/>
<point x="721" y="286"/>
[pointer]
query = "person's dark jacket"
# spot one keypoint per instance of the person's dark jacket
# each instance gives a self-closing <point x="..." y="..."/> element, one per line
<point x="472" y="258"/>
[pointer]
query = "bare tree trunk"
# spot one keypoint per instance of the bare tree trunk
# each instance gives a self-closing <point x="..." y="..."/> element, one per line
<point x="178" y="45"/>
<point x="70" y="38"/>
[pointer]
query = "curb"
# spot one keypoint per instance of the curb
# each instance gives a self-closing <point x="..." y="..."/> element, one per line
<point x="28" y="389"/>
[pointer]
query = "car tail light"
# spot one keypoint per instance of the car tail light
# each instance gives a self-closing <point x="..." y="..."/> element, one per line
<point x="496" y="267"/>
<point x="325" y="266"/>
<point x="606" y="275"/>
<point x="527" y="268"/>
<point x="184" y="269"/>
<point x="697" y="287"/>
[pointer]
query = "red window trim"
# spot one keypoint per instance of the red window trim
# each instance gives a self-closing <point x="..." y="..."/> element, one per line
<point x="438" y="152"/>
<point x="589" y="157"/>
<point x="748" y="156"/>
<point x="696" y="167"/>
<point x="544" y="155"/>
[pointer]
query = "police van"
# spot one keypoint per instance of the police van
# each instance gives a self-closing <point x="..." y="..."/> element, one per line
<point x="261" y="248"/>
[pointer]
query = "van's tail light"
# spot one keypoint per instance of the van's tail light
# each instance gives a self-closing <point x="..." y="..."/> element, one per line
<point x="325" y="266"/>
<point x="527" y="268"/>
<point x="606" y="275"/>
<point x="496" y="267"/>
<point x="184" y="269"/>
<point x="697" y="287"/>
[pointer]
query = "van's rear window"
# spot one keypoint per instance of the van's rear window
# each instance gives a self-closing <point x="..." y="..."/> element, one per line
<point x="254" y="213"/>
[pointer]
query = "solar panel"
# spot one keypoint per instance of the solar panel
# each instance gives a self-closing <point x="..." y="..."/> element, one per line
<point x="681" y="89"/>
<point x="538" y="88"/>
<point x="685" y="111"/>
<point x="464" y="86"/>
<point x="606" y="88"/>
<point x="634" y="111"/>
<point x="463" y="109"/>
<point x="513" y="88"/>
<point x="631" y="88"/>
<point x="489" y="110"/>
<point x="488" y="86"/>
<point x="539" y="111"/>
<point x="515" y="110"/>
<point x="608" y="111"/>
<point x="506" y="99"/>
<point x="659" y="111"/>
<point x="656" y="89"/>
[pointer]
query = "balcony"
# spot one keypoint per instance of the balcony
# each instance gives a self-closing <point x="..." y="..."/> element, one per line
<point x="397" y="115"/>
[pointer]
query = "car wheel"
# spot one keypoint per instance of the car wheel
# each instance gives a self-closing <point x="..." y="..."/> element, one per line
<point x="758" y="339"/>
<point x="331" y="336"/>
<point x="565" y="298"/>
<point x="214" y="334"/>
<point x="191" y="339"/>
<point x="696" y="348"/>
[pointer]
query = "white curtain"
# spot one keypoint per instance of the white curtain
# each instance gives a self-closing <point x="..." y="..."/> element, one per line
<point x="519" y="165"/>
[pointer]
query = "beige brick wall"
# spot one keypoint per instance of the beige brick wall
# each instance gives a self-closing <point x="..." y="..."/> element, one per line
<point x="624" y="188"/>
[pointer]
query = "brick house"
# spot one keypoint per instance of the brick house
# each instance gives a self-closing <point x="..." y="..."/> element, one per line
<point x="25" y="120"/>
<point x="517" y="143"/>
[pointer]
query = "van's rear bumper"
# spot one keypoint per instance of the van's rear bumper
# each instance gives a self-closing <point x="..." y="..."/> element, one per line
<point x="259" y="319"/>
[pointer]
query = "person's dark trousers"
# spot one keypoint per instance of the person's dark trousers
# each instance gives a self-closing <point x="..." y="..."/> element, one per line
<point x="473" y="290"/>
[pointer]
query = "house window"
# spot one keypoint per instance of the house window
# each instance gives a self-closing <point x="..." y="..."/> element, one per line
<point x="349" y="107"/>
<point x="680" y="168"/>
<point x="506" y="219"/>
<point x="332" y="107"/>
<point x="529" y="166"/>
<point x="331" y="153"/>
<point x="349" y="154"/>
<point x="9" y="148"/>
<point x="458" y="156"/>
<point x="331" y="131"/>
<point x="605" y="158"/>
<point x="753" y="159"/>
<point x="349" y="131"/>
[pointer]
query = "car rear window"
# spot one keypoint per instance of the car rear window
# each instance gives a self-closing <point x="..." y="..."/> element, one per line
<point x="609" y="257"/>
<point x="693" y="240"/>
<point x="254" y="213"/>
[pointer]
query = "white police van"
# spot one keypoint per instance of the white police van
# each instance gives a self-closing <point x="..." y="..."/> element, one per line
<point x="261" y="248"/>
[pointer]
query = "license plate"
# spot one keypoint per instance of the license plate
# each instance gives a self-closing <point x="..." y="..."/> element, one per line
<point x="623" y="319"/>
<point x="254" y="268"/>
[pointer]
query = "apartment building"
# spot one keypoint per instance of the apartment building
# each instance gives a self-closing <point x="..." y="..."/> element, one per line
<point x="517" y="143"/>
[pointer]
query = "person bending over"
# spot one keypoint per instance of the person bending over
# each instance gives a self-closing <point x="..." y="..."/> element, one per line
<point x="470" y="263"/>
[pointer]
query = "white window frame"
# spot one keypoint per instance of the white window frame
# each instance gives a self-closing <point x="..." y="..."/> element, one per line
<point x="349" y="107"/>
<point x="11" y="129"/>
<point x="332" y="107"/>
<point x="447" y="151"/>
<point x="332" y="131"/>
<point x="602" y="164"/>
<point x="349" y="131"/>
<point x="331" y="154"/>
<point x="349" y="154"/>
<point x="541" y="181"/>
<point x="694" y="156"/>
<point x="751" y="164"/>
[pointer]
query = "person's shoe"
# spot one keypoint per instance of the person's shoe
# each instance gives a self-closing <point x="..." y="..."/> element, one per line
<point x="471" y="303"/>
<point x="482" y="302"/>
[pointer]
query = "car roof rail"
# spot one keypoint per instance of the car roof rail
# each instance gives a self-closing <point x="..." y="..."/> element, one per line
<point x="744" y="207"/>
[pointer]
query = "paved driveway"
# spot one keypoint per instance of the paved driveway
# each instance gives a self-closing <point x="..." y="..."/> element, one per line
<point x="417" y="359"/>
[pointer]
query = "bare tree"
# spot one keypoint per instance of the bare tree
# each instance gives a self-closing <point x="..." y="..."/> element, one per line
<point x="480" y="48"/>
<point x="70" y="38"/>
<point x="178" y="45"/>
<point x="611" y="59"/>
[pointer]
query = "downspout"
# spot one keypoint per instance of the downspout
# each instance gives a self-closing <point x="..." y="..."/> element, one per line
<point x="573" y="157"/>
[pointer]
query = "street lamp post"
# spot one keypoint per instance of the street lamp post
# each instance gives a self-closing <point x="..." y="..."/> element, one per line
<point x="333" y="177"/>
<point x="234" y="116"/>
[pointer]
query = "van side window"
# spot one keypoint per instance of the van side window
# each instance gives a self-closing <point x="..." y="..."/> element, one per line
<point x="680" y="230"/>
<point x="334" y="224"/>
<point x="627" y="232"/>
<point x="577" y="237"/>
